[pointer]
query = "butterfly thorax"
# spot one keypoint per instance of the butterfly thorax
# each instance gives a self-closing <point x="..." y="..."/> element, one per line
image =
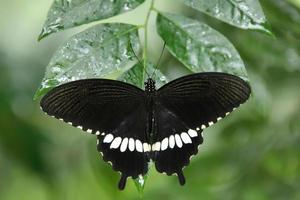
<point x="150" y="86"/>
<point x="150" y="91"/>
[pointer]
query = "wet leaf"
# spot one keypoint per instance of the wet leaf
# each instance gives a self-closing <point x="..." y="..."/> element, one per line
<point x="65" y="14"/>
<point x="199" y="47"/>
<point x="102" y="51"/>
<point x="137" y="75"/>
<point x="245" y="14"/>
<point x="140" y="184"/>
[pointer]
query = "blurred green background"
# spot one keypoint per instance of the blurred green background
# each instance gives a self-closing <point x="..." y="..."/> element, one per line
<point x="252" y="154"/>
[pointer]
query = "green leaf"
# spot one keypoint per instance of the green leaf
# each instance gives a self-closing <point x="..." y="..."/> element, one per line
<point x="102" y="51"/>
<point x="140" y="184"/>
<point x="283" y="16"/>
<point x="65" y="14"/>
<point x="245" y="14"/>
<point x="136" y="75"/>
<point x="199" y="47"/>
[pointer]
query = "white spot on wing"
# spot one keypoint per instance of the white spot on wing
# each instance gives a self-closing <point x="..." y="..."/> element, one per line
<point x="97" y="133"/>
<point x="116" y="143"/>
<point x="146" y="147"/>
<point x="108" y="138"/>
<point x="156" y="146"/>
<point x="80" y="127"/>
<point x="186" y="138"/>
<point x="219" y="118"/>
<point x="139" y="146"/>
<point x="131" y="144"/>
<point x="192" y="133"/>
<point x="178" y="141"/>
<point x="164" y="144"/>
<point x="227" y="113"/>
<point x="124" y="145"/>
<point x="153" y="147"/>
<point x="203" y="127"/>
<point x="172" y="141"/>
<point x="89" y="131"/>
<point x="210" y="123"/>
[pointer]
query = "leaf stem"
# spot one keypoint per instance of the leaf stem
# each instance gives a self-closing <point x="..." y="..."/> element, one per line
<point x="145" y="26"/>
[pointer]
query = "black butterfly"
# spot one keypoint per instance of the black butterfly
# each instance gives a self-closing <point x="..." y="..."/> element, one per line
<point x="135" y="126"/>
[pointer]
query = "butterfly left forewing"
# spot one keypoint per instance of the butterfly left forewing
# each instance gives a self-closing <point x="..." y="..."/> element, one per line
<point x="92" y="104"/>
<point x="185" y="107"/>
<point x="114" y="111"/>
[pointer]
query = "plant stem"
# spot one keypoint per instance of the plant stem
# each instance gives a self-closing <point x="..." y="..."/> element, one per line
<point x="145" y="26"/>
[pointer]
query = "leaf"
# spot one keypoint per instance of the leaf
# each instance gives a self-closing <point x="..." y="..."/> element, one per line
<point x="102" y="51"/>
<point x="245" y="14"/>
<point x="65" y="14"/>
<point x="199" y="47"/>
<point x="284" y="17"/>
<point x="140" y="184"/>
<point x="136" y="75"/>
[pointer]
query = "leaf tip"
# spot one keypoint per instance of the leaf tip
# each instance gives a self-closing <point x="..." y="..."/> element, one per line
<point x="267" y="29"/>
<point x="42" y="35"/>
<point x="36" y="96"/>
<point x="41" y="92"/>
<point x="140" y="184"/>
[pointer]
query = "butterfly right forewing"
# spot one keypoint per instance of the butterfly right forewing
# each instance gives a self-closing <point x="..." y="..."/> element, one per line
<point x="202" y="98"/>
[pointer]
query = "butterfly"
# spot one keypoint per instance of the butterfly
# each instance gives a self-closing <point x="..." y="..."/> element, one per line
<point x="134" y="126"/>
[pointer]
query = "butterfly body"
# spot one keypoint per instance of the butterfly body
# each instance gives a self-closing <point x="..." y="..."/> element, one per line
<point x="134" y="126"/>
<point x="150" y="93"/>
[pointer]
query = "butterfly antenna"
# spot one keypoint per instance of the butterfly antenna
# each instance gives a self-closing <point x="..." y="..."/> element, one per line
<point x="140" y="62"/>
<point x="160" y="57"/>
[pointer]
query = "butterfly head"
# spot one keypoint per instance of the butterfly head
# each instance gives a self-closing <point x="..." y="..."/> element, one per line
<point x="150" y="85"/>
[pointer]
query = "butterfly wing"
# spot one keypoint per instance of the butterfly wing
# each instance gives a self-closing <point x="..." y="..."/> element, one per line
<point x="184" y="107"/>
<point x="114" y="111"/>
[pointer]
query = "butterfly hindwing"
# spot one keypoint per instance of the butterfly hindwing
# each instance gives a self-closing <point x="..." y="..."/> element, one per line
<point x="128" y="138"/>
<point x="188" y="105"/>
<point x="112" y="110"/>
<point x="176" y="141"/>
